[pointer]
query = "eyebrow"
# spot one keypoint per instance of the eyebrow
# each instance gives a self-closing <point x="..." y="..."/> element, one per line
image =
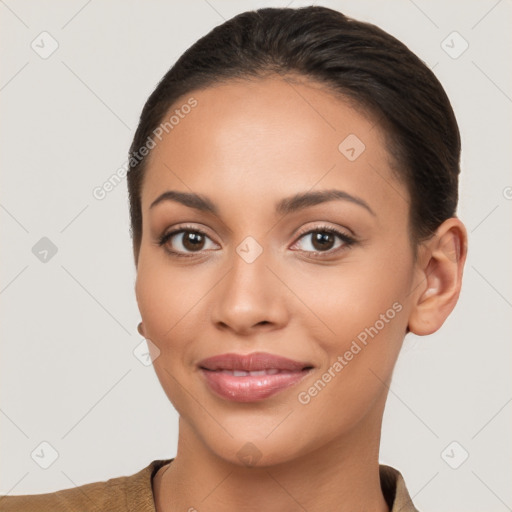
<point x="285" y="206"/>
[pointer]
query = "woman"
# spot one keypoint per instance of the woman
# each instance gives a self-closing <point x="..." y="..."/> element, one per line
<point x="293" y="192"/>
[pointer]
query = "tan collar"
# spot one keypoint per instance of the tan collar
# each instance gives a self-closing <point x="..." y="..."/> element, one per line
<point x="392" y="483"/>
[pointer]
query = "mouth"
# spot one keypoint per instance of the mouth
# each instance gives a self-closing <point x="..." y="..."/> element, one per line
<point x="243" y="373"/>
<point x="251" y="377"/>
<point x="255" y="362"/>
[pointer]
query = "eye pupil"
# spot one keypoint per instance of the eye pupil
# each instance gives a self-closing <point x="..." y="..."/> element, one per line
<point x="324" y="240"/>
<point x="192" y="240"/>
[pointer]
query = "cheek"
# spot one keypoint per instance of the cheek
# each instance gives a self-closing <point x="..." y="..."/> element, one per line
<point x="360" y="312"/>
<point x="163" y="298"/>
<point x="345" y="300"/>
<point x="172" y="301"/>
<point x="168" y="301"/>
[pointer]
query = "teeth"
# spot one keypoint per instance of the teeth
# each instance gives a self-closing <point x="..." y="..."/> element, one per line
<point x="258" y="373"/>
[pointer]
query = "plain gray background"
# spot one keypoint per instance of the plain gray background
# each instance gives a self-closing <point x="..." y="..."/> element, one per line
<point x="69" y="376"/>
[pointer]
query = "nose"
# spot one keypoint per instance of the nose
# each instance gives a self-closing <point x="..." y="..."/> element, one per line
<point x="250" y="298"/>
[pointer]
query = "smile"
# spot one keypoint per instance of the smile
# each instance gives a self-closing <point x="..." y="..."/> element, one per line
<point x="252" y="377"/>
<point x="242" y="373"/>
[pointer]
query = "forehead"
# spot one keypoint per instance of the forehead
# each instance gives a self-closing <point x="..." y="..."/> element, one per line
<point x="252" y="139"/>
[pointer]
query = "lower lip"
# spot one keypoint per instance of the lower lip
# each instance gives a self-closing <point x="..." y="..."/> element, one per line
<point x="250" y="388"/>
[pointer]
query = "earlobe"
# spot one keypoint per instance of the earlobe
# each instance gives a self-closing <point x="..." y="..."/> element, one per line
<point x="441" y="262"/>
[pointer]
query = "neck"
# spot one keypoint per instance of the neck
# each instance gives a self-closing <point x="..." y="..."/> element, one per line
<point x="342" y="475"/>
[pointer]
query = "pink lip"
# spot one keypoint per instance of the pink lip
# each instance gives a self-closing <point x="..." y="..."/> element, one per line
<point x="285" y="373"/>
<point x="252" y="362"/>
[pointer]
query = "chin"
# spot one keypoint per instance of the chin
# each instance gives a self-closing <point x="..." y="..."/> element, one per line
<point x="251" y="450"/>
<point x="249" y="454"/>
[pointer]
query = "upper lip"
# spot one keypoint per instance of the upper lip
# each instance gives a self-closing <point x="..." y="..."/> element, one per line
<point x="252" y="362"/>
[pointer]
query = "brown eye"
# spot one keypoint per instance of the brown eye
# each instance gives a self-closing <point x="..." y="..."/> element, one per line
<point x="324" y="240"/>
<point x="186" y="242"/>
<point x="192" y="241"/>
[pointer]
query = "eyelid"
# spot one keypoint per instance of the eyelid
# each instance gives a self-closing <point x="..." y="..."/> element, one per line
<point x="346" y="239"/>
<point x="182" y="228"/>
<point x="319" y="226"/>
<point x="187" y="227"/>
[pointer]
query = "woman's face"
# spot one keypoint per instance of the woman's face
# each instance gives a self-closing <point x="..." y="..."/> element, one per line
<point x="261" y="279"/>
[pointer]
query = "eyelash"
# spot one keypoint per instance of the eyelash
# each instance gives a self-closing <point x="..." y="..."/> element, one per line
<point x="347" y="240"/>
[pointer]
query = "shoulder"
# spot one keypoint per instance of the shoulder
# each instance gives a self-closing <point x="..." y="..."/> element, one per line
<point x="125" y="493"/>
<point x="394" y="490"/>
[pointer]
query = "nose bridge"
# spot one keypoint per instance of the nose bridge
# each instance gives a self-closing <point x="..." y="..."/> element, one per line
<point x="249" y="294"/>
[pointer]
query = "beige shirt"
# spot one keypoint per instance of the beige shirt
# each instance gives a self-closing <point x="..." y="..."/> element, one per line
<point x="135" y="494"/>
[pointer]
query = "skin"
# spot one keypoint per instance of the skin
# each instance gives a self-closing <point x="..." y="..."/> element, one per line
<point x="246" y="146"/>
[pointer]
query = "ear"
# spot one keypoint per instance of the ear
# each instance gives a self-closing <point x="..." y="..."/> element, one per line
<point x="440" y="265"/>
